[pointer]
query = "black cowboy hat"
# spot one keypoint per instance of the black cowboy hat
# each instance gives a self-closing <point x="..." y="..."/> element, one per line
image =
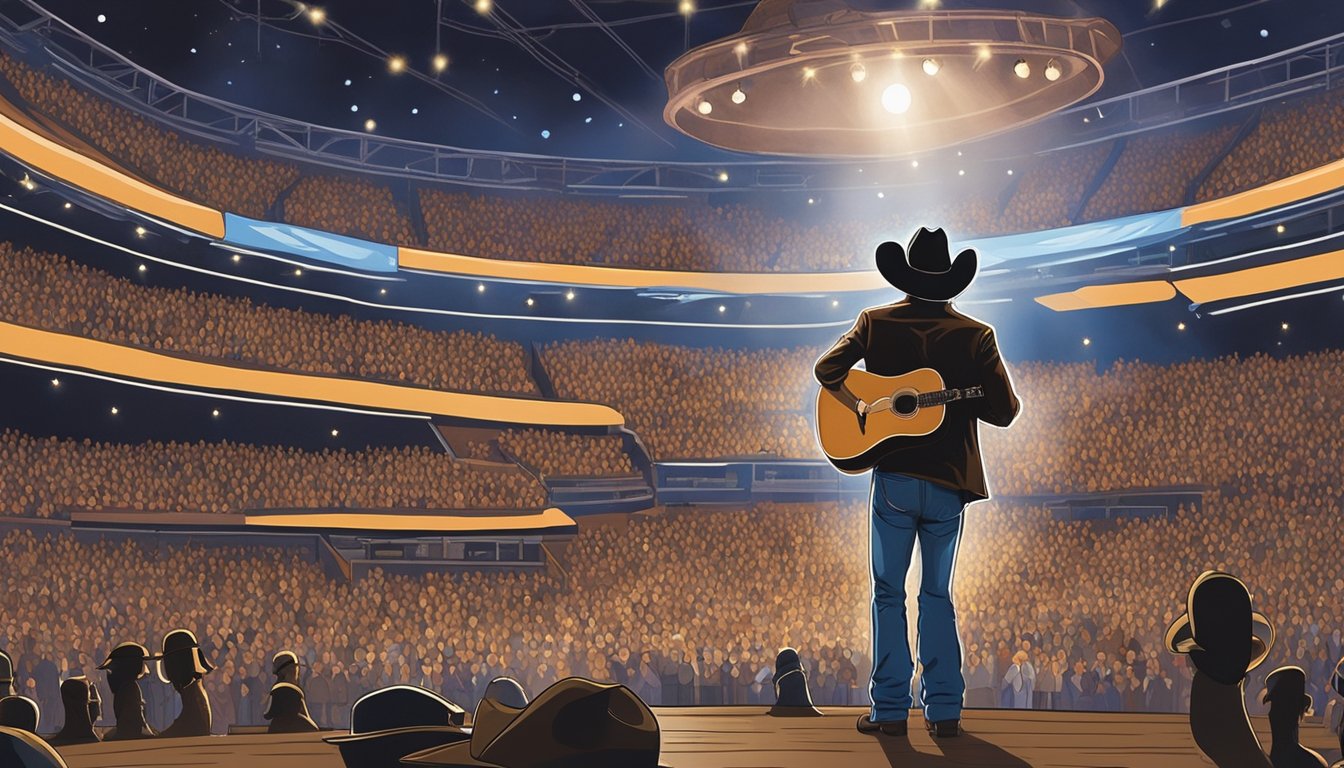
<point x="390" y="723"/>
<point x="925" y="269"/>
<point x="575" y="723"/>
<point x="1218" y="629"/>
<point x="1288" y="685"/>
<point x="19" y="712"/>
<point x="283" y="659"/>
<point x="792" y="697"/>
<point x="129" y="654"/>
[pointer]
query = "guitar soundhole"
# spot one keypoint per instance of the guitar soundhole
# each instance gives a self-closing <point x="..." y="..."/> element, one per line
<point x="904" y="405"/>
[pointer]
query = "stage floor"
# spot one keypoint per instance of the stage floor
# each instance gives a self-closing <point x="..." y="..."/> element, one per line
<point x="744" y="737"/>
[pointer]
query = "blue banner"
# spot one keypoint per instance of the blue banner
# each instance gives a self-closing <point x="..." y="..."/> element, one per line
<point x="311" y="244"/>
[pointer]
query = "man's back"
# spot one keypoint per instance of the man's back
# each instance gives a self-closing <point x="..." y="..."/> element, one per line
<point x="897" y="338"/>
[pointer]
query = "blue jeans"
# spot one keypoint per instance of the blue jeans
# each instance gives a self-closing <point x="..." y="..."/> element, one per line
<point x="905" y="508"/>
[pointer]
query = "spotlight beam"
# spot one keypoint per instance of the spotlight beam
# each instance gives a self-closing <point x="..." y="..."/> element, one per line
<point x="563" y="69"/>
<point x="588" y="13"/>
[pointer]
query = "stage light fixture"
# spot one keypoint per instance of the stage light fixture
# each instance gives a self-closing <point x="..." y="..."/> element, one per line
<point x="1180" y="326"/>
<point x="881" y="195"/>
<point x="1171" y="249"/>
<point x="835" y="302"/>
<point x="931" y="66"/>
<point x="739" y="95"/>
<point x="982" y="53"/>
<point x="484" y="6"/>
<point x="1010" y="171"/>
<point x="811" y="200"/>
<point x="961" y="172"/>
<point x="115" y="410"/>
<point x="335" y="433"/>
<point x="68" y="206"/>
<point x="298" y="273"/>
<point x="28" y="183"/>
<point x="143" y="268"/>
<point x="569" y="295"/>
<point x="317" y="15"/>
<point x="1280" y="229"/>
<point x="369" y="124"/>
<point x="686" y="7"/>
<point x="139" y="231"/>
<point x="530" y="301"/>
<point x="722" y="309"/>
<point x="896" y="99"/>
<point x="704" y="107"/>
<point x="382" y="291"/>
<point x="1284" y="326"/>
<point x="440" y="62"/>
<point x="215" y="413"/>
<point x="809" y="73"/>
<point x="1052" y="71"/>
<point x="480" y="287"/>
<point x="723" y="176"/>
<point x="237" y="258"/>
<point x="858" y="73"/>
<point x="740" y="49"/>
<point x="1022" y="69"/>
<point x="914" y="163"/>
<point x="396" y="64"/>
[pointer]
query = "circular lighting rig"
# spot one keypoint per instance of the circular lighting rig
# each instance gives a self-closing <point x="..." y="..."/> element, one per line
<point x="819" y="73"/>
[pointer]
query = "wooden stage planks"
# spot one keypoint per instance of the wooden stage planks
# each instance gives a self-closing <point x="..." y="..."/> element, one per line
<point x="744" y="737"/>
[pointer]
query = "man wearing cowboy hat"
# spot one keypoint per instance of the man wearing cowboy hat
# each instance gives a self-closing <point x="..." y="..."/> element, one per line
<point x="182" y="666"/>
<point x="922" y="485"/>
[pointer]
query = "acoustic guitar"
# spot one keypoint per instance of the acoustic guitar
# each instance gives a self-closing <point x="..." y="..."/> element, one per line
<point x="901" y="407"/>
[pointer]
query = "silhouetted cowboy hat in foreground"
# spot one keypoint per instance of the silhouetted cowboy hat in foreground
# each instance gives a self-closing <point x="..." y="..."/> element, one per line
<point x="390" y="723"/>
<point x="925" y="268"/>
<point x="1219" y="630"/>
<point x="575" y="723"/>
<point x="20" y="749"/>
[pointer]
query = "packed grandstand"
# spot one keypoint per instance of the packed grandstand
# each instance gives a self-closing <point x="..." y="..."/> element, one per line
<point x="684" y="604"/>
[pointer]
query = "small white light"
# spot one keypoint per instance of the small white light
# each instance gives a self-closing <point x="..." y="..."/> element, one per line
<point x="335" y="433"/>
<point x="704" y="107"/>
<point x="1052" y="71"/>
<point x="740" y="49"/>
<point x="415" y="110"/>
<point x="484" y="6"/>
<point x="577" y="97"/>
<point x="56" y="383"/>
<point x="723" y="176"/>
<point x="298" y="273"/>
<point x="811" y="200"/>
<point x="982" y="53"/>
<point x="440" y="62"/>
<point x="1022" y="69"/>
<point x="215" y="413"/>
<point x="569" y="295"/>
<point x="686" y="7"/>
<point x="896" y="99"/>
<point x="835" y="302"/>
<point x="317" y="15"/>
<point x="1171" y="249"/>
<point x="480" y="287"/>
<point x="722" y="308"/>
<point x="1180" y="326"/>
<point x="809" y="73"/>
<point x="382" y="291"/>
<point x="237" y="258"/>
<point x="369" y="124"/>
<point x="961" y="172"/>
<point x="139" y="231"/>
<point x="1086" y="119"/>
<point x="530" y="302"/>
<point x="143" y="268"/>
<point x="102" y="18"/>
<point x="858" y="73"/>
<point x="881" y="195"/>
<point x="931" y="67"/>
<point x="1010" y="171"/>
<point x="396" y="64"/>
<point x="739" y="95"/>
<point x="1280" y="229"/>
<point x="1284" y="326"/>
<point x="1087" y="342"/>
<point x="1264" y="33"/>
<point x="67" y="206"/>
<point x="29" y="184"/>
<point x="354" y="107"/>
<point x="115" y="410"/>
<point x="914" y="163"/>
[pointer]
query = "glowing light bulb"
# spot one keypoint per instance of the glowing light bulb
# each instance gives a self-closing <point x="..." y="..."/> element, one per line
<point x="739" y="95"/>
<point x="396" y="64"/>
<point x="1022" y="69"/>
<point x="317" y="15"/>
<point x="484" y="6"/>
<point x="704" y="107"/>
<point x="931" y="66"/>
<point x="896" y="99"/>
<point x="858" y="73"/>
<point x="440" y="62"/>
<point x="1052" y="71"/>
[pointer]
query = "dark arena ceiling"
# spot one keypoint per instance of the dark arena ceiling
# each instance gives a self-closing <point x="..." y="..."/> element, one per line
<point x="573" y="77"/>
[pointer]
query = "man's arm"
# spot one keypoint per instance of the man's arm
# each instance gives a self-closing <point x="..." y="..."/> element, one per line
<point x="832" y="367"/>
<point x="1000" y="405"/>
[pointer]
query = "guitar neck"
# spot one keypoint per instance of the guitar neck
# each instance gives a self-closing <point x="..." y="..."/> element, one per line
<point x="944" y="396"/>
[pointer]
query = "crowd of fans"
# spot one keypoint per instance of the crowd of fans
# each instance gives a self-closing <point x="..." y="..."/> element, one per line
<point x="53" y="293"/>
<point x="558" y="453"/>
<point x="687" y="402"/>
<point x="1151" y="174"/>
<point x="206" y="174"/>
<point x="1292" y="137"/>
<point x="49" y="477"/>
<point x="1155" y="170"/>
<point x="349" y="206"/>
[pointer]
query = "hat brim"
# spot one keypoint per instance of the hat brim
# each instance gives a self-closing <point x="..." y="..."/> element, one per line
<point x="462" y="734"/>
<point x="930" y="286"/>
<point x="1179" y="639"/>
<point x="455" y="755"/>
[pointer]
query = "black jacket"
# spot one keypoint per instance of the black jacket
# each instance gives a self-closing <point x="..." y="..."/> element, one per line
<point x="898" y="338"/>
